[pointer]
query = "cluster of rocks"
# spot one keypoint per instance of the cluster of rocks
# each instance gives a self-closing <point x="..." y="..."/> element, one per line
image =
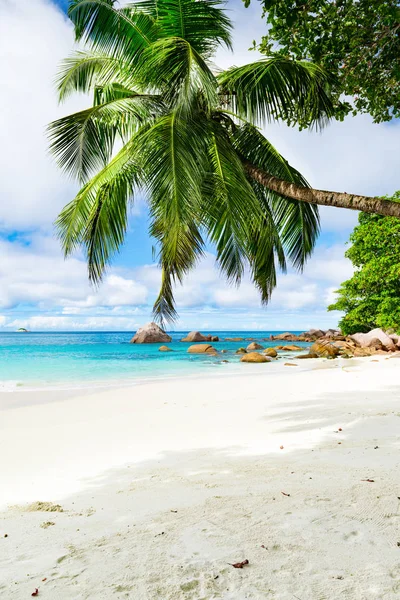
<point x="151" y="333"/>
<point x="309" y="336"/>
<point x="376" y="341"/>
<point x="196" y="336"/>
<point x="326" y="344"/>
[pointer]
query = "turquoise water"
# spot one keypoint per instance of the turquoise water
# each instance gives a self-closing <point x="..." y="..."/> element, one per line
<point x="80" y="359"/>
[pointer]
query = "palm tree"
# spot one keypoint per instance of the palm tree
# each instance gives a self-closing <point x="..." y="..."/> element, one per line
<point x="166" y="124"/>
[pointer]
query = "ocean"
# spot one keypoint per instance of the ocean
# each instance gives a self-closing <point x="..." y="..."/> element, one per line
<point x="68" y="360"/>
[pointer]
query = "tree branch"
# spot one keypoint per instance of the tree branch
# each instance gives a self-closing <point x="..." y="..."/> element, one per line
<point x="380" y="206"/>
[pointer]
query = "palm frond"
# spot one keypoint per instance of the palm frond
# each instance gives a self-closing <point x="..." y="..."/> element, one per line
<point x="172" y="155"/>
<point x="83" y="142"/>
<point x="204" y="25"/>
<point x="82" y="71"/>
<point x="236" y="217"/>
<point x="113" y="91"/>
<point x="278" y="88"/>
<point x="118" y="32"/>
<point x="230" y="211"/>
<point x="107" y="222"/>
<point x="297" y="223"/>
<point x="96" y="219"/>
<point x="262" y="259"/>
<point x="173" y="65"/>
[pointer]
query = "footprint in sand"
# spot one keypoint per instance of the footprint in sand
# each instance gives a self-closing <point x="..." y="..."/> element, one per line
<point x="349" y="537"/>
<point x="315" y="501"/>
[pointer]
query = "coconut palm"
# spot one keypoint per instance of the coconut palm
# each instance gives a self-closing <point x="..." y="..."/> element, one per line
<point x="166" y="124"/>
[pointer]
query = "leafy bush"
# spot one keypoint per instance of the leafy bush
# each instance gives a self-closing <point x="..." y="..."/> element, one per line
<point x="371" y="298"/>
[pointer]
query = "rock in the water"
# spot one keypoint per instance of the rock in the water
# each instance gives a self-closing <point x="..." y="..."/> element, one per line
<point x="333" y="334"/>
<point x="315" y="333"/>
<point x="241" y="351"/>
<point x="214" y="338"/>
<point x="196" y="336"/>
<point x="164" y="349"/>
<point x="291" y="348"/>
<point x="309" y="355"/>
<point x="364" y="340"/>
<point x="270" y="352"/>
<point x="150" y="333"/>
<point x="237" y="339"/>
<point x="201" y="349"/>
<point x="288" y="337"/>
<point x="254" y="357"/>
<point x="325" y="349"/>
<point x="254" y="346"/>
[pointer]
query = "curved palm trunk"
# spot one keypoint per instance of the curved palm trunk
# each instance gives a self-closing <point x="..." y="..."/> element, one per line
<point x="366" y="204"/>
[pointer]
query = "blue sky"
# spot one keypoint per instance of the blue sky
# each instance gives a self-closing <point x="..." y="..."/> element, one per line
<point x="41" y="291"/>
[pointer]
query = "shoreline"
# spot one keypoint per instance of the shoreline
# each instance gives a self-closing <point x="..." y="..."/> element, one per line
<point x="237" y="369"/>
<point x="102" y="385"/>
<point x="162" y="484"/>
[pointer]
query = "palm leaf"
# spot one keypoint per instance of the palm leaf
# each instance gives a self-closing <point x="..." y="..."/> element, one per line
<point x="203" y="24"/>
<point x="172" y="155"/>
<point x="231" y="212"/>
<point x="121" y="175"/>
<point x="85" y="70"/>
<point x="83" y="142"/>
<point x="118" y="32"/>
<point x="107" y="222"/>
<point x="297" y="223"/>
<point x="174" y="66"/>
<point x="278" y="88"/>
<point x="235" y="215"/>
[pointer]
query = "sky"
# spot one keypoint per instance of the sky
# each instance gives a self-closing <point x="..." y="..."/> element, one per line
<point x="41" y="291"/>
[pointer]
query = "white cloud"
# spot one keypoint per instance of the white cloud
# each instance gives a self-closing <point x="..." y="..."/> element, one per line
<point x="66" y="323"/>
<point x="331" y="295"/>
<point x="34" y="37"/>
<point x="35" y="279"/>
<point x="244" y="296"/>
<point x="287" y="298"/>
<point x="115" y="291"/>
<point x="38" y="274"/>
<point x="247" y="27"/>
<point x="329" y="264"/>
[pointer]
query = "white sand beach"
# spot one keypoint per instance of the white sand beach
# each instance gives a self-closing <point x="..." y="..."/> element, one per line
<point x="157" y="488"/>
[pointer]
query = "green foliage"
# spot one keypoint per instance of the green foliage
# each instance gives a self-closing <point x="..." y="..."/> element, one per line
<point x="278" y="88"/>
<point x="356" y="41"/>
<point x="184" y="135"/>
<point x="371" y="298"/>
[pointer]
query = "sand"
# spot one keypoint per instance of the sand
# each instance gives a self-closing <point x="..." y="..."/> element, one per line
<point x="150" y="492"/>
